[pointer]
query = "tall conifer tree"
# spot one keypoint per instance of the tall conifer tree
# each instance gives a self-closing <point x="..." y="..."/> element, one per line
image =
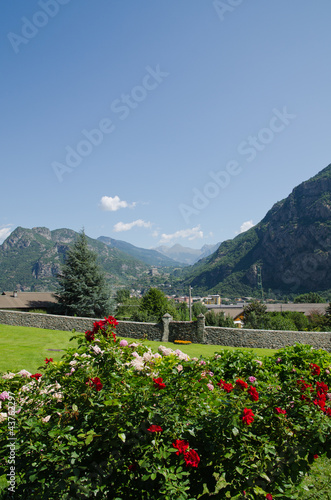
<point x="83" y="290"/>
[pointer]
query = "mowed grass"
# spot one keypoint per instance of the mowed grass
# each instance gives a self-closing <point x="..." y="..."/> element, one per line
<point x="26" y="348"/>
<point x="197" y="350"/>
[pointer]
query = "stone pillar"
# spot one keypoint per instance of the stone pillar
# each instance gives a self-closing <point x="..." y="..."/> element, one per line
<point x="166" y="318"/>
<point x="200" y="329"/>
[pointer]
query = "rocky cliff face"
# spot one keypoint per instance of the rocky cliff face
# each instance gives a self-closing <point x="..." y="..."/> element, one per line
<point x="292" y="245"/>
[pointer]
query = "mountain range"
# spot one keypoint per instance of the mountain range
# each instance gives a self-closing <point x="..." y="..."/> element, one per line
<point x="289" y="251"/>
<point x="150" y="257"/>
<point x="30" y="259"/>
<point x="186" y="255"/>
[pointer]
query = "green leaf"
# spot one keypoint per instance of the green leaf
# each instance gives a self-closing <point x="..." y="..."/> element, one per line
<point x="259" y="491"/>
<point x="264" y="476"/>
<point x="122" y="436"/>
<point x="235" y="431"/>
<point x="89" y="439"/>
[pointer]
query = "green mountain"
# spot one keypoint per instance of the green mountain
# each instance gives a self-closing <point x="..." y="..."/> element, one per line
<point x="150" y="257"/>
<point x="30" y="259"/>
<point x="291" y="246"/>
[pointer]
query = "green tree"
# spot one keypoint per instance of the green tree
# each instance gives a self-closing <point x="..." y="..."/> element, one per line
<point x="299" y="319"/>
<point x="156" y="304"/>
<point x="308" y="298"/>
<point x="218" y="319"/>
<point x="128" y="309"/>
<point x="183" y="313"/>
<point x="82" y="286"/>
<point x="256" y="316"/>
<point x="318" y="321"/>
<point x="198" y="308"/>
<point x="279" y="321"/>
<point x="122" y="295"/>
<point x="328" y="317"/>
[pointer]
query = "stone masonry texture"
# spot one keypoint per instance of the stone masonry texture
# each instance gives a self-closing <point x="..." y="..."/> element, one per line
<point x="195" y="331"/>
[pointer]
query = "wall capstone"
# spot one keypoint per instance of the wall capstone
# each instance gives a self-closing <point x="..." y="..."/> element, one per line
<point x="166" y="318"/>
<point x="201" y="338"/>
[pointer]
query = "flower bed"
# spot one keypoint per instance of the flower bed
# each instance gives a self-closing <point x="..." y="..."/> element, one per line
<point x="182" y="342"/>
<point x="115" y="420"/>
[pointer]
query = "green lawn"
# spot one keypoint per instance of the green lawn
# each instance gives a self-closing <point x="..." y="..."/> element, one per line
<point x="197" y="350"/>
<point x="26" y="348"/>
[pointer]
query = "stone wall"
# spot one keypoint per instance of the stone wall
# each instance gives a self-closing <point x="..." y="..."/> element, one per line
<point x="169" y="330"/>
<point x="268" y="339"/>
<point x="187" y="330"/>
<point x="132" y="329"/>
<point x="49" y="321"/>
<point x="135" y="330"/>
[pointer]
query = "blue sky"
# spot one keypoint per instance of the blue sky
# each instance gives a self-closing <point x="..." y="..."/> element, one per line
<point x="160" y="122"/>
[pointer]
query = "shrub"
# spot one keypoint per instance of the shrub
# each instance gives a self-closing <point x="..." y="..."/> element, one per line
<point x="114" y="420"/>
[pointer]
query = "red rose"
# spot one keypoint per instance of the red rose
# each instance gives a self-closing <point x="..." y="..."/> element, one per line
<point x="328" y="412"/>
<point x="241" y="383"/>
<point x="227" y="387"/>
<point x="315" y="369"/>
<point x="111" y="321"/>
<point x="158" y="383"/>
<point x="36" y="376"/>
<point x="181" y="446"/>
<point x="320" y="400"/>
<point x="253" y="393"/>
<point x="191" y="458"/>
<point x="248" y="416"/>
<point x="315" y="457"/>
<point x="50" y="360"/>
<point x="279" y="410"/>
<point x="304" y="385"/>
<point x="89" y="336"/>
<point x="98" y="325"/>
<point x="321" y="387"/>
<point x="95" y="382"/>
<point x="268" y="496"/>
<point x="155" y="428"/>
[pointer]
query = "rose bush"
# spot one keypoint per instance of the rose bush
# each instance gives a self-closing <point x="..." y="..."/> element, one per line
<point x="114" y="420"/>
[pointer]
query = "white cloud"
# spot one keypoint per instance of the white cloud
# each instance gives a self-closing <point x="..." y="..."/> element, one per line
<point x="112" y="204"/>
<point x="246" y="225"/>
<point x="5" y="232"/>
<point x="122" y="226"/>
<point x="190" y="234"/>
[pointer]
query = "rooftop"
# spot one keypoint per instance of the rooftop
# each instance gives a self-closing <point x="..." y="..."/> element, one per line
<point x="27" y="300"/>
